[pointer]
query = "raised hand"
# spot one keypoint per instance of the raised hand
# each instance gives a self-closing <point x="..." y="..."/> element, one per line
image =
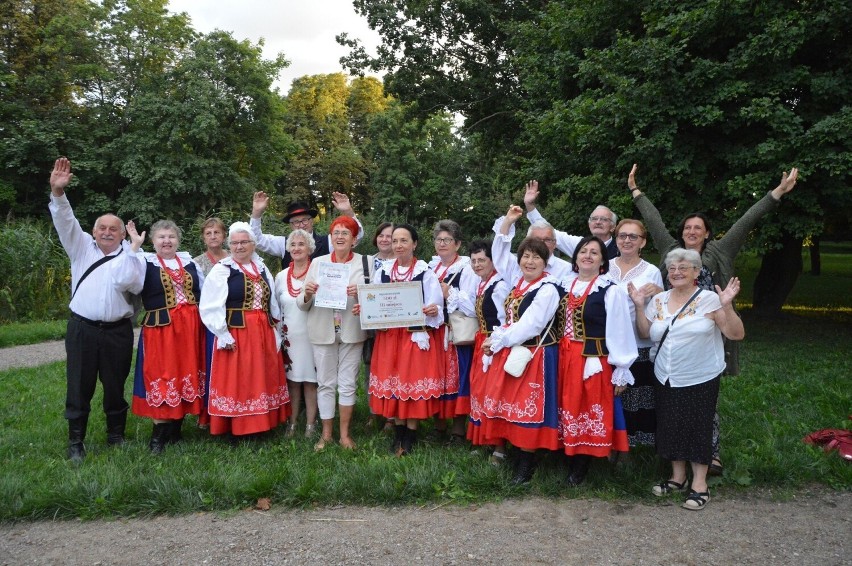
<point x="638" y="296"/>
<point x="631" y="178"/>
<point x="531" y="194"/>
<point x="259" y="204"/>
<point x="787" y="183"/>
<point x="727" y="296"/>
<point x="61" y="176"/>
<point x="136" y="239"/>
<point x="341" y="203"/>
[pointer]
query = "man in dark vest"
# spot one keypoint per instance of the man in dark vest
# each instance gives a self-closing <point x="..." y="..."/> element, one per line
<point x="299" y="216"/>
<point x="99" y="338"/>
<point x="602" y="223"/>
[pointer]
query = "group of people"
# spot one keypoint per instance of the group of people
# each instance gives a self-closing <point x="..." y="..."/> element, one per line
<point x="585" y="357"/>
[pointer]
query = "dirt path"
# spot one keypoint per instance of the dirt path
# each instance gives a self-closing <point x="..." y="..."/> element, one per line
<point x="810" y="528"/>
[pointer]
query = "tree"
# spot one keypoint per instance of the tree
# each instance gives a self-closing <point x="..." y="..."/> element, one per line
<point x="713" y="100"/>
<point x="327" y="117"/>
<point x="206" y="135"/>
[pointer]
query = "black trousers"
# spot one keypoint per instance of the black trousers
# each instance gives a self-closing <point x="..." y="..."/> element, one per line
<point x="97" y="352"/>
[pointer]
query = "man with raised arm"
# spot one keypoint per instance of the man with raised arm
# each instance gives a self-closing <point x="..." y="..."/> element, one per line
<point x="99" y="339"/>
<point x="505" y="261"/>
<point x="602" y="223"/>
<point x="299" y="216"/>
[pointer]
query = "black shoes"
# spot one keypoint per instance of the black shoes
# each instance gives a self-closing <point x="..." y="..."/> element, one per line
<point x="526" y="468"/>
<point x="76" y="436"/>
<point x="159" y="437"/>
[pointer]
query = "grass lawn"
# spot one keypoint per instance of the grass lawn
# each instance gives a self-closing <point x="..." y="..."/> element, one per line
<point x="795" y="380"/>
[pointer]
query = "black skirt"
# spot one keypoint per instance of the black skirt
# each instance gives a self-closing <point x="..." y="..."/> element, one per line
<point x="640" y="415"/>
<point x="685" y="421"/>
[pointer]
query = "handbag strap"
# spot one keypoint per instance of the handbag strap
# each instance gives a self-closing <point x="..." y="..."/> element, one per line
<point x="93" y="267"/>
<point x="546" y="332"/>
<point x="683" y="308"/>
<point x="366" y="269"/>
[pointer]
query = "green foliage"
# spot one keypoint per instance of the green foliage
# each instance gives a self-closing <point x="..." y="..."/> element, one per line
<point x="22" y="333"/>
<point x="157" y="120"/>
<point x="36" y="274"/>
<point x="713" y="100"/>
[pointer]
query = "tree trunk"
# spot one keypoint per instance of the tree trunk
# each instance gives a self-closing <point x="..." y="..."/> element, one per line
<point x="777" y="276"/>
<point x="816" y="260"/>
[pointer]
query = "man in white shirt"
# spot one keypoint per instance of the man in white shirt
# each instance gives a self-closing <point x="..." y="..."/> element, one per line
<point x="99" y="339"/>
<point x="299" y="216"/>
<point x="504" y="230"/>
<point x="602" y="224"/>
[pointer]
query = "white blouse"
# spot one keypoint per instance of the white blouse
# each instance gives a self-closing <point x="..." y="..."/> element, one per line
<point x="639" y="275"/>
<point x="692" y="352"/>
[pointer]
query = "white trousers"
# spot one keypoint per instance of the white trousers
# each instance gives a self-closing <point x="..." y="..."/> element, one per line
<point x="337" y="373"/>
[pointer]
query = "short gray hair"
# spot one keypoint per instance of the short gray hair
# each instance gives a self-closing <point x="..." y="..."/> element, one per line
<point x="679" y="254"/>
<point x="540" y="224"/>
<point x="165" y="225"/>
<point x="312" y="245"/>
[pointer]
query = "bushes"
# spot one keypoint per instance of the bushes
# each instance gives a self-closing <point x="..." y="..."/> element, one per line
<point x="36" y="275"/>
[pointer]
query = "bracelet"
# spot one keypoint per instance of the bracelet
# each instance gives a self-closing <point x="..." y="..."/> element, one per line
<point x="633" y="189"/>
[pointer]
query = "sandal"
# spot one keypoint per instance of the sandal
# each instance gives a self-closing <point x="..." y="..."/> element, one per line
<point x="715" y="468"/>
<point x="667" y="487"/>
<point x="696" y="501"/>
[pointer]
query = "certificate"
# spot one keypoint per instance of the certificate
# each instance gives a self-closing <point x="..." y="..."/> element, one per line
<point x="391" y="305"/>
<point x="332" y="280"/>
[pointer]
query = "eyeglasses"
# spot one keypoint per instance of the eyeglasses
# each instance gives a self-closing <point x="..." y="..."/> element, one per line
<point x="600" y="219"/>
<point x="444" y="241"/>
<point x="241" y="243"/>
<point x="338" y="233"/>
<point x="631" y="237"/>
<point x="680" y="268"/>
<point x="298" y="222"/>
<point x="548" y="240"/>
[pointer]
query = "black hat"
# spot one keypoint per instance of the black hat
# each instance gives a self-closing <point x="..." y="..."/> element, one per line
<point x="298" y="208"/>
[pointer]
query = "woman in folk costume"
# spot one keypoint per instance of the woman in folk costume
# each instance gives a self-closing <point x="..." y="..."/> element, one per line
<point x="248" y="386"/>
<point x="452" y="269"/>
<point x="170" y="368"/>
<point x="488" y="296"/>
<point x="595" y="354"/>
<point x="407" y="371"/>
<point x="523" y="410"/>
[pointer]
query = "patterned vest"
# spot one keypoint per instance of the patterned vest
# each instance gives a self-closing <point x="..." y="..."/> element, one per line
<point x="159" y="295"/>
<point x="589" y="322"/>
<point x="515" y="309"/>
<point x="241" y="295"/>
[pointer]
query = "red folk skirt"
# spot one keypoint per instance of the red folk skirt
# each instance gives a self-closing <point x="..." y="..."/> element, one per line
<point x="405" y="381"/>
<point x="248" y="385"/>
<point x="587" y="407"/>
<point x="522" y="410"/>
<point x="170" y="377"/>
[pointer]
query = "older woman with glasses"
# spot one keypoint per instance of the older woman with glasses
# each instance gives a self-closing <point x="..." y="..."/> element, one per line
<point x="687" y="324"/>
<point x="638" y="399"/>
<point x="717" y="255"/>
<point x="301" y="372"/>
<point x="248" y="386"/>
<point x="335" y="333"/>
<point x="452" y="269"/>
